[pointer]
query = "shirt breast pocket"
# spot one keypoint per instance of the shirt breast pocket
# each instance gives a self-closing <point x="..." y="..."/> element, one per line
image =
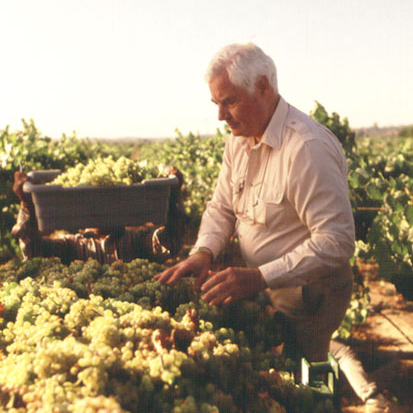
<point x="275" y="206"/>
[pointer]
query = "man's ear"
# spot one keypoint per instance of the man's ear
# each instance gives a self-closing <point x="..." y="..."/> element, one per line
<point x="263" y="85"/>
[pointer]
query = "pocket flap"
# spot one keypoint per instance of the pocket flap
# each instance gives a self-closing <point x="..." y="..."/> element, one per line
<point x="273" y="195"/>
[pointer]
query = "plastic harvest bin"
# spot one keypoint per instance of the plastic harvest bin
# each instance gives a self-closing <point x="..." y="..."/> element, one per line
<point x="79" y="207"/>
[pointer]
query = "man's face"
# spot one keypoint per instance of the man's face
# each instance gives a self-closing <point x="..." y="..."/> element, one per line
<point x="243" y="112"/>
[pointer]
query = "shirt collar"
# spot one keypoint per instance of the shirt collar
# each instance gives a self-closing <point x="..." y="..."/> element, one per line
<point x="273" y="134"/>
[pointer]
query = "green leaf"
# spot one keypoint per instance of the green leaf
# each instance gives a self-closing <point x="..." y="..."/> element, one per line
<point x="373" y="191"/>
<point x="408" y="212"/>
<point x="399" y="248"/>
<point x="410" y="235"/>
<point x="353" y="180"/>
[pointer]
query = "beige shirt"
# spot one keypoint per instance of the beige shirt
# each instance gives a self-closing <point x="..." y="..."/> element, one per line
<point x="286" y="198"/>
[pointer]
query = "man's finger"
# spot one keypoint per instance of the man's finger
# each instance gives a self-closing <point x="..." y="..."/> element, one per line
<point x="228" y="300"/>
<point x="217" y="292"/>
<point x="160" y="274"/>
<point x="199" y="281"/>
<point x="164" y="275"/>
<point x="177" y="275"/>
<point x="171" y="275"/>
<point x="220" y="297"/>
<point x="214" y="279"/>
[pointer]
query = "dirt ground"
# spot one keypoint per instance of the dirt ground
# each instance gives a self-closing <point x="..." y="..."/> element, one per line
<point x="384" y="344"/>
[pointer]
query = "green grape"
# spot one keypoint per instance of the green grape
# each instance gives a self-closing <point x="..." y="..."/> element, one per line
<point x="174" y="353"/>
<point x="107" y="172"/>
<point x="98" y="404"/>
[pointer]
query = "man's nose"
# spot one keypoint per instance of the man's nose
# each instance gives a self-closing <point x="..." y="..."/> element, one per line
<point x="223" y="113"/>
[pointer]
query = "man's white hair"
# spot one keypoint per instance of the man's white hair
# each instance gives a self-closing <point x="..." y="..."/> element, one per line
<point x="245" y="63"/>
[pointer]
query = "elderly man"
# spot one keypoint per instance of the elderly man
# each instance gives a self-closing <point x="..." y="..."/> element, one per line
<point x="283" y="190"/>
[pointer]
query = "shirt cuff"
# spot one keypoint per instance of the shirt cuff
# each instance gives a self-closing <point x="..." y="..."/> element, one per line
<point x="205" y="250"/>
<point x="212" y="243"/>
<point x="275" y="274"/>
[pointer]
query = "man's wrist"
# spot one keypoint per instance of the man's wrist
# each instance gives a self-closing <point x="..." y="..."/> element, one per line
<point x="261" y="279"/>
<point x="204" y="250"/>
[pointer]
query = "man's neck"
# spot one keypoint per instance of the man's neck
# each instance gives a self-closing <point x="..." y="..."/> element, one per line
<point x="272" y="108"/>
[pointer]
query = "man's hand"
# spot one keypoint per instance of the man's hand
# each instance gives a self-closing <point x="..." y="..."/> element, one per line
<point x="198" y="264"/>
<point x="232" y="284"/>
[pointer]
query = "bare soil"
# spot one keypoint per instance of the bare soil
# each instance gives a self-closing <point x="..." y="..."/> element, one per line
<point x="384" y="344"/>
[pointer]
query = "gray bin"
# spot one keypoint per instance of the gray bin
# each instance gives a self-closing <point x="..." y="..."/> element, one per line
<point x="74" y="208"/>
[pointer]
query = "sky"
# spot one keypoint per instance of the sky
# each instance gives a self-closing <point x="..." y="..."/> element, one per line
<point x="135" y="68"/>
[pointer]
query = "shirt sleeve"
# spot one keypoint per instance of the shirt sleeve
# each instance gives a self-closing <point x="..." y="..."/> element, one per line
<point x="218" y="220"/>
<point x="317" y="189"/>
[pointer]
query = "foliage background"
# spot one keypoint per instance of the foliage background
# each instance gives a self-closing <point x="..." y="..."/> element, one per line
<point x="380" y="181"/>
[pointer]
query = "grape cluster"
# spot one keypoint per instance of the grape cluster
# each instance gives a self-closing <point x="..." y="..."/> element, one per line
<point x="110" y="338"/>
<point x="108" y="172"/>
